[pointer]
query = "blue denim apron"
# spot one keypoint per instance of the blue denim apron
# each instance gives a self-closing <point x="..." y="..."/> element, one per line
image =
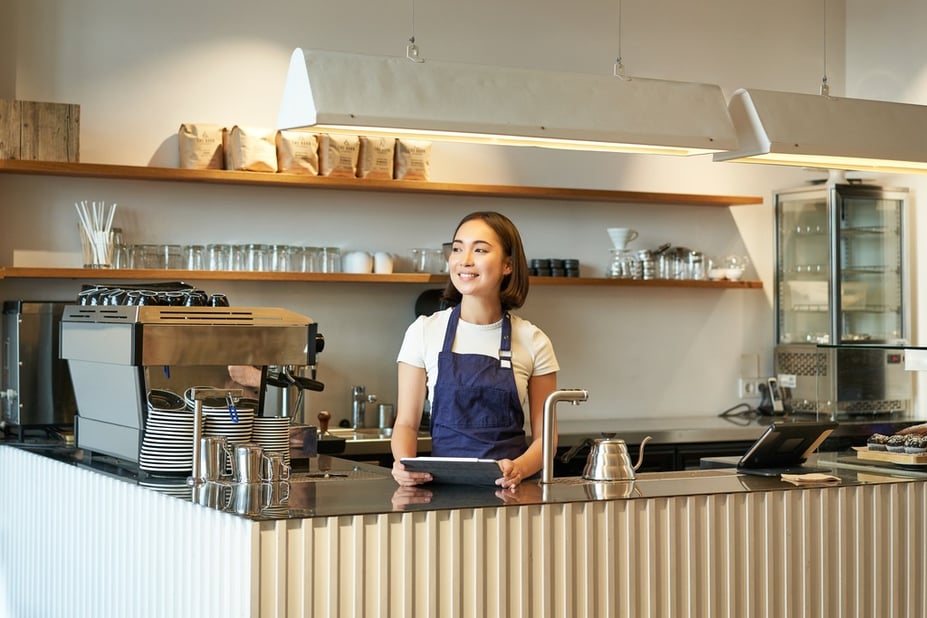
<point x="476" y="410"/>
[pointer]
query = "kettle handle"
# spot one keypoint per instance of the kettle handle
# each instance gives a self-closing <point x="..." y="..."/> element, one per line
<point x="567" y="456"/>
<point x="640" y="453"/>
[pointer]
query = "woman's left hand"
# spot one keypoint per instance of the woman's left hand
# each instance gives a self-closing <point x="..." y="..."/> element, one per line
<point x="512" y="474"/>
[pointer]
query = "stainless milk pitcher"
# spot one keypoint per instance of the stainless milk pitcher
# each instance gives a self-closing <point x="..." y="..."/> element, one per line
<point x="214" y="457"/>
<point x="246" y="465"/>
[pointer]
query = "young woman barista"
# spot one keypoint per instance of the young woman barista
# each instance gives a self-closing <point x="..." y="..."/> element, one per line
<point x="484" y="366"/>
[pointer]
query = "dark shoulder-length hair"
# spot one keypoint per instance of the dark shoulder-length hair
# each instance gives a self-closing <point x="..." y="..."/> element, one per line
<point x="513" y="291"/>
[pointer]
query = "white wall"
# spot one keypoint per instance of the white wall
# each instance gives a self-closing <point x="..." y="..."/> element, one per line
<point x="887" y="60"/>
<point x="139" y="70"/>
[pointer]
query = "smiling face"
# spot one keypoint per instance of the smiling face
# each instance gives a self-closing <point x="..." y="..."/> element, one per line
<point x="478" y="262"/>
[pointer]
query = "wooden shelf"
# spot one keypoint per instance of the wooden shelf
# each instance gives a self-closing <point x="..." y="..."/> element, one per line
<point x="128" y="172"/>
<point x="225" y="177"/>
<point x="104" y="275"/>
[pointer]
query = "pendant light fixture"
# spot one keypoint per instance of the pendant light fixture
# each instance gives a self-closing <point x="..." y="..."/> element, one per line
<point x="824" y="131"/>
<point x="334" y="92"/>
<point x="811" y="130"/>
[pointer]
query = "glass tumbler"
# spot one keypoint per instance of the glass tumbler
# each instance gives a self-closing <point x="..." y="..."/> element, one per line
<point x="170" y="256"/>
<point x="279" y="258"/>
<point x="121" y="256"/>
<point x="330" y="258"/>
<point x="310" y="259"/>
<point x="419" y="260"/>
<point x="145" y="257"/>
<point x="295" y="256"/>
<point x="257" y="258"/>
<point x="238" y="257"/>
<point x="436" y="262"/>
<point x="219" y="257"/>
<point x="194" y="257"/>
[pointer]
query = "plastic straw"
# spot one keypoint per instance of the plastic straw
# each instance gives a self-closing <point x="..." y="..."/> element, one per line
<point x="97" y="224"/>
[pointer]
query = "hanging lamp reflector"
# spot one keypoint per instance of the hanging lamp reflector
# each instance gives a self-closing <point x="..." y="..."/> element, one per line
<point x="335" y="92"/>
<point x="810" y="130"/>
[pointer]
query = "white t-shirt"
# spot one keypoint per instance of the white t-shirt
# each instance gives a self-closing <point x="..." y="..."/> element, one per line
<point x="532" y="351"/>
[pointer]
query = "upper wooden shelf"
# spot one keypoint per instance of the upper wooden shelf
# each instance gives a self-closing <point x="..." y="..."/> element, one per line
<point x="102" y="275"/>
<point x="129" y="172"/>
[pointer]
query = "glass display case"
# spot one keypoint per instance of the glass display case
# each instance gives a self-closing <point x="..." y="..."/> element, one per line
<point x="842" y="287"/>
<point x="841" y="273"/>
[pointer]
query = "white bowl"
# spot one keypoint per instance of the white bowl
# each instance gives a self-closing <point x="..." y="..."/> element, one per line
<point x="734" y="274"/>
<point x="358" y="262"/>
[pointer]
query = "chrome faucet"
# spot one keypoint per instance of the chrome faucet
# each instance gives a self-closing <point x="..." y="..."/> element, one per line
<point x="359" y="401"/>
<point x="574" y="396"/>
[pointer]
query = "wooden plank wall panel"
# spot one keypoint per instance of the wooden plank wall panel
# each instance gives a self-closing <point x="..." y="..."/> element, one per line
<point x="39" y="131"/>
<point x="10" y="129"/>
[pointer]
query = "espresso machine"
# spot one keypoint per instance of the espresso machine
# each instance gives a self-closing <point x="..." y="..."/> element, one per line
<point x="118" y="354"/>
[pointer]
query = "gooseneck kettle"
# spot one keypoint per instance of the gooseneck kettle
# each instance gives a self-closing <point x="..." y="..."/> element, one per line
<point x="609" y="460"/>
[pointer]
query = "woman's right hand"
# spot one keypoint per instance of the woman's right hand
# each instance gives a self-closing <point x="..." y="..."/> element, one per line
<point x="246" y="375"/>
<point x="406" y="478"/>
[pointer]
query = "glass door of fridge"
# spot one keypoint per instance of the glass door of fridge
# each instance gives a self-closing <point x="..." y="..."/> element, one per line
<point x="803" y="268"/>
<point x="870" y="272"/>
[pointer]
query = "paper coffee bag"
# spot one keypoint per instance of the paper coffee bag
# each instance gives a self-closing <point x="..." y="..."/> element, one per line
<point x="413" y="159"/>
<point x="375" y="160"/>
<point x="201" y="146"/>
<point x="252" y="149"/>
<point x="298" y="152"/>
<point x="338" y="155"/>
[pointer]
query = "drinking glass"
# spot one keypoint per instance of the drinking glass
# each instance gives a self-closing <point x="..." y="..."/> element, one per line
<point x="193" y="256"/>
<point x="256" y="259"/>
<point x="330" y="258"/>
<point x="219" y="257"/>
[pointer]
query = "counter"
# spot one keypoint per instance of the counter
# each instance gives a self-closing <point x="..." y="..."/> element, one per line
<point x="677" y="443"/>
<point x="692" y="543"/>
<point x="703" y="429"/>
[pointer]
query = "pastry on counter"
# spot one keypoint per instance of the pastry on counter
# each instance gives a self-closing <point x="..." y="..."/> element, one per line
<point x="895" y="443"/>
<point x="877" y="442"/>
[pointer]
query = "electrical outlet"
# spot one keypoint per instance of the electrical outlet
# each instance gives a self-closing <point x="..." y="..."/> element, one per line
<point x="749" y="388"/>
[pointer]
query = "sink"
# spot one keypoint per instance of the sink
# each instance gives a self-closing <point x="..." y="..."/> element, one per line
<point x="685" y="474"/>
<point x="363" y="433"/>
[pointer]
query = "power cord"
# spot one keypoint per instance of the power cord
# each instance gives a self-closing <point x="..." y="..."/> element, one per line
<point x="745" y="416"/>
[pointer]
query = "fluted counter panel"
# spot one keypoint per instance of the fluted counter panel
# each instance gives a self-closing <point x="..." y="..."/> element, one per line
<point x="77" y="544"/>
<point x="836" y="551"/>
